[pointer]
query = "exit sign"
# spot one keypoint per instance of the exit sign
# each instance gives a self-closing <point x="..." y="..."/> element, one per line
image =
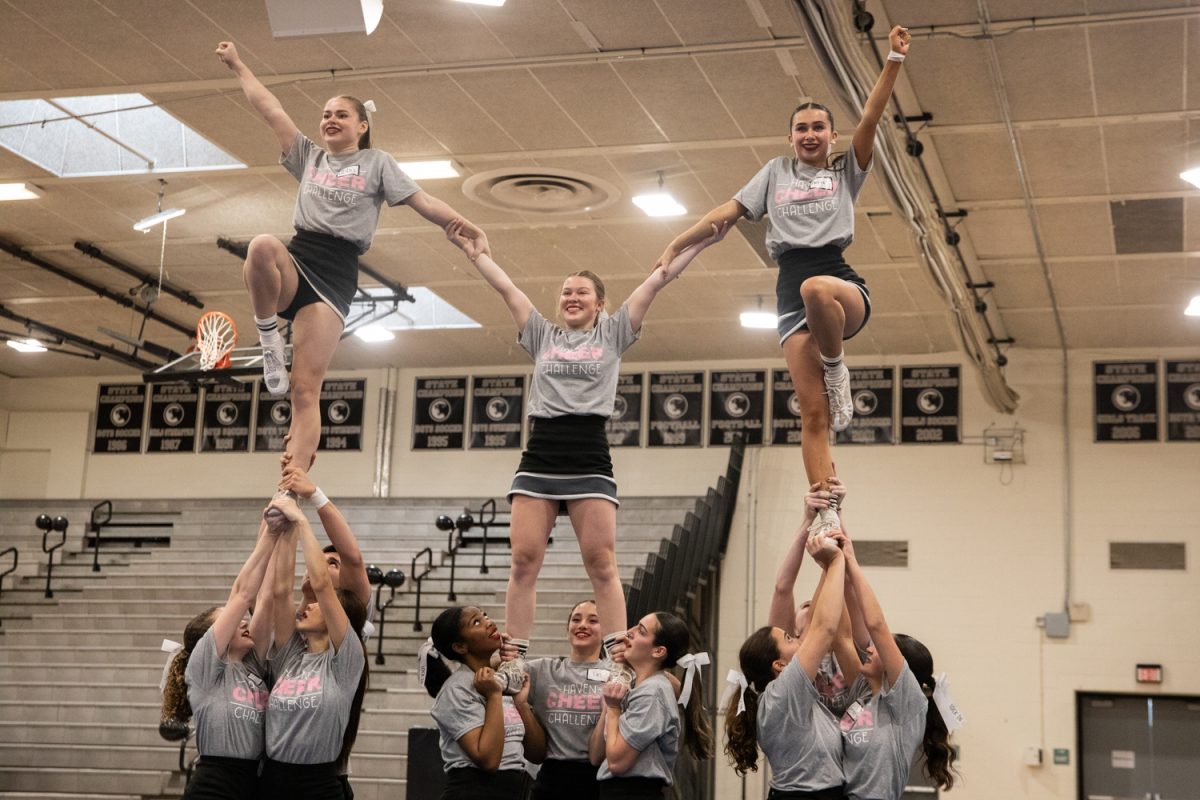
<point x="1149" y="673"/>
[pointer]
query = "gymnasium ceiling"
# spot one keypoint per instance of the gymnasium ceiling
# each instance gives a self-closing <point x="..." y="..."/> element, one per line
<point x="1103" y="96"/>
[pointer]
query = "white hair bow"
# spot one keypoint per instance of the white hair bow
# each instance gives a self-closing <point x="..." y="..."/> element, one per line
<point x="170" y="648"/>
<point x="734" y="682"/>
<point x="692" y="662"/>
<point x="423" y="668"/>
<point x="953" y="718"/>
<point x="369" y="105"/>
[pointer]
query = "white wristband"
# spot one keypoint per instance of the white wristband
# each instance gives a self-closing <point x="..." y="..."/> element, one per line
<point x="894" y="56"/>
<point x="318" y="498"/>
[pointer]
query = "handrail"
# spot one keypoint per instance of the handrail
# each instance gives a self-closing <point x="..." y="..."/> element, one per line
<point x="96" y="526"/>
<point x="485" y="524"/>
<point x="16" y="554"/>
<point x="452" y="545"/>
<point x="428" y="552"/>
<point x="379" y="659"/>
<point x="50" y="555"/>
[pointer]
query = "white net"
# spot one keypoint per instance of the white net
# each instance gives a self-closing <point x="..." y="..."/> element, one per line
<point x="215" y="338"/>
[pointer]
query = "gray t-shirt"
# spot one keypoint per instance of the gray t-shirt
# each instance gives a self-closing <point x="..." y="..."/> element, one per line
<point x="836" y="694"/>
<point x="340" y="194"/>
<point x="567" y="698"/>
<point x="649" y="724"/>
<point x="575" y="372"/>
<point x="459" y="709"/>
<point x="880" y="738"/>
<point x="310" y="701"/>
<point x="798" y="734"/>
<point x="806" y="206"/>
<point x="228" y="699"/>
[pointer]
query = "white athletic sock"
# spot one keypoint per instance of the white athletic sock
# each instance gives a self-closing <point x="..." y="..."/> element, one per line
<point x="832" y="365"/>
<point x="267" y="328"/>
<point x="522" y="646"/>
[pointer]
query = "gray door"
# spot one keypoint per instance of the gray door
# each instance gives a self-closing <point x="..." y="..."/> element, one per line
<point x="1138" y="747"/>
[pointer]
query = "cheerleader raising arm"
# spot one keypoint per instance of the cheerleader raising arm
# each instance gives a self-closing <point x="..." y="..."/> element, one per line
<point x="639" y="302"/>
<point x="260" y="97"/>
<point x="881" y="93"/>
<point x="478" y="251"/>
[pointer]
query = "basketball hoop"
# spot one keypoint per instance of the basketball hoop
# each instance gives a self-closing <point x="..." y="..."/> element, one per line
<point x="215" y="337"/>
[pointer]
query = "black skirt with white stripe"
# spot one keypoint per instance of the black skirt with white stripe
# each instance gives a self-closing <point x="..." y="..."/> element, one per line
<point x="567" y="459"/>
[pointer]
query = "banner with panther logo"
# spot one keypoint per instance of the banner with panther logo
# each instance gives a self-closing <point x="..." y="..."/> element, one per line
<point x="1183" y="401"/>
<point x="271" y="420"/>
<point x="342" y="414"/>
<point x="738" y="401"/>
<point x="497" y="412"/>
<point x="172" y="418"/>
<point x="1126" y="401"/>
<point x="624" y="427"/>
<point x="873" y="392"/>
<point x="226" y="427"/>
<point x="929" y="405"/>
<point x="439" y="413"/>
<point x="120" y="410"/>
<point x="785" y="409"/>
<point x="676" y="408"/>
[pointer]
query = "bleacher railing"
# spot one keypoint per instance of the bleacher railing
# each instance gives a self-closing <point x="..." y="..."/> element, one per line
<point x="16" y="555"/>
<point x="418" y="579"/>
<point x="49" y="549"/>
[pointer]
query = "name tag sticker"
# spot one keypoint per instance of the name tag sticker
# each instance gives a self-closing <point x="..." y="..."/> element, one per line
<point x="854" y="710"/>
<point x="598" y="675"/>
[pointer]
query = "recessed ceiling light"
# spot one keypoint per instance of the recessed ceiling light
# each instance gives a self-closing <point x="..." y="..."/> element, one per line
<point x="496" y="3"/>
<point x="659" y="204"/>
<point x="144" y="225"/>
<point x="374" y="333"/>
<point x="1192" y="310"/>
<point x="428" y="170"/>
<point x="19" y="191"/>
<point x="1192" y="176"/>
<point x="758" y="319"/>
<point x="27" y="345"/>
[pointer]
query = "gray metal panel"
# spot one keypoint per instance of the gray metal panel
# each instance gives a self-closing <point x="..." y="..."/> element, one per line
<point x="1148" y="226"/>
<point x="1144" y="555"/>
<point x="881" y="552"/>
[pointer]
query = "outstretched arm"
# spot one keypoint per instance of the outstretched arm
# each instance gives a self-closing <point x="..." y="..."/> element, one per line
<point x="872" y="612"/>
<point x="284" y="581"/>
<point x="245" y="587"/>
<point x="783" y="600"/>
<point x="441" y="214"/>
<point x="723" y="215"/>
<point x="354" y="569"/>
<point x="827" y="607"/>
<point x="477" y="251"/>
<point x="881" y="93"/>
<point x="639" y="302"/>
<point x="336" y="622"/>
<point x="265" y="103"/>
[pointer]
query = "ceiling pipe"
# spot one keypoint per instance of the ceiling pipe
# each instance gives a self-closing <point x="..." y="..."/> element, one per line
<point x="91" y="250"/>
<point x="119" y="299"/>
<point x="79" y="341"/>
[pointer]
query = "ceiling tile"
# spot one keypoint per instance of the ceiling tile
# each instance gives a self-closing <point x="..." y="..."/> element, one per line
<point x="978" y="166"/>
<point x="1114" y="61"/>
<point x="620" y="25"/>
<point x="526" y="112"/>
<point x="678" y="96"/>
<point x="1076" y="228"/>
<point x="1027" y="58"/>
<point x="1063" y="162"/>
<point x="1145" y="157"/>
<point x="600" y="103"/>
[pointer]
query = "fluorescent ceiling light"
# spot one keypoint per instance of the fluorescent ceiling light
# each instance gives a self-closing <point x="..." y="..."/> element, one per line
<point x="758" y="319"/>
<point x="19" y="191"/>
<point x="496" y="3"/>
<point x="374" y="333"/>
<point x="428" y="170"/>
<point x="1193" y="308"/>
<point x="1192" y="176"/>
<point x="27" y="345"/>
<point x="145" y="224"/>
<point x="659" y="204"/>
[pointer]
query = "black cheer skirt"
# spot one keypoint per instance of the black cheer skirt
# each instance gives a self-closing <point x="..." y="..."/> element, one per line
<point x="574" y="780"/>
<point x="632" y="788"/>
<point x="567" y="459"/>
<point x="219" y="778"/>
<point x="798" y="265"/>
<point x="328" y="271"/>
<point x="469" y="783"/>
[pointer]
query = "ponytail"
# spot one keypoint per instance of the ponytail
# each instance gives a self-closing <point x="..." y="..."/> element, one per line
<point x="939" y="756"/>
<point x="175" y="704"/>
<point x="445" y="633"/>
<point x="436" y="674"/>
<point x="741" y="734"/>
<point x="697" y="729"/>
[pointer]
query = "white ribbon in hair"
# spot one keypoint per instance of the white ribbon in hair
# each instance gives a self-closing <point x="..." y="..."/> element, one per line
<point x="734" y="682"/>
<point x="953" y="718"/>
<point x="692" y="662"/>
<point x="427" y="649"/>
<point x="369" y="105"/>
<point x="170" y="648"/>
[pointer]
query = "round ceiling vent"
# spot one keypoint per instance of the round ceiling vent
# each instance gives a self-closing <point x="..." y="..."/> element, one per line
<point x="540" y="190"/>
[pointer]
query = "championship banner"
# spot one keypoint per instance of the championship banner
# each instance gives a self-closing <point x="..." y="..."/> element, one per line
<point x="785" y="409"/>
<point x="929" y="404"/>
<point x="227" y="418"/>
<point x="624" y="427"/>
<point x="271" y="421"/>
<point x="439" y="413"/>
<point x="873" y="392"/>
<point x="676" y="408"/>
<point x="497" y="411"/>
<point x="739" y="403"/>
<point x="342" y="414"/>
<point x="172" y="418"/>
<point x="120" y="408"/>
<point x="1126" y="401"/>
<point x="1183" y="401"/>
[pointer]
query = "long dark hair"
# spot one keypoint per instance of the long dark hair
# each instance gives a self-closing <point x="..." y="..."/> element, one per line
<point x="364" y="141"/>
<point x="839" y="161"/>
<point x="175" y="700"/>
<point x="356" y="613"/>
<point x="756" y="658"/>
<point x="445" y="634"/>
<point x="939" y="755"/>
<point x="673" y="634"/>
